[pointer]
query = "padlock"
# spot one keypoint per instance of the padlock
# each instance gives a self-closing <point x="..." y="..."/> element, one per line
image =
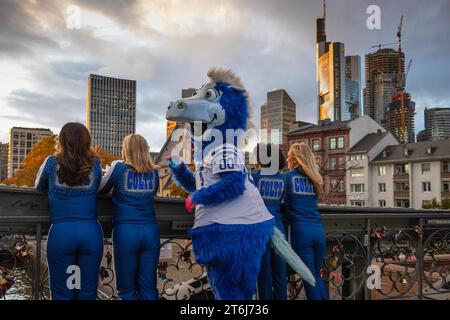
<point x="108" y="259"/>
<point x="403" y="280"/>
<point x="334" y="262"/>
<point x="103" y="273"/>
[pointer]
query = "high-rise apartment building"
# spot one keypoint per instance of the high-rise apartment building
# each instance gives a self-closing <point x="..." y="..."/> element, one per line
<point x="110" y="111"/>
<point x="437" y="124"/>
<point x="21" y="140"/>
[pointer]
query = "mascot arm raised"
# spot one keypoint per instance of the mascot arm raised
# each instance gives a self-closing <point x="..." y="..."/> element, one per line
<point x="181" y="174"/>
<point x="231" y="186"/>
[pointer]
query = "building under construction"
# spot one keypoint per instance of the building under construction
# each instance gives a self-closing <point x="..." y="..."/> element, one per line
<point x="386" y="100"/>
<point x="393" y="117"/>
<point x="382" y="69"/>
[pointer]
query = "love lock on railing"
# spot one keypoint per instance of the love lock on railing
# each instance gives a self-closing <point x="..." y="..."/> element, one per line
<point x="6" y="281"/>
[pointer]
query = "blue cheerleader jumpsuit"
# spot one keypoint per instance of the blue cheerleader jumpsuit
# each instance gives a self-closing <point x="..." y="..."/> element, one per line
<point x="272" y="280"/>
<point x="307" y="234"/>
<point x="136" y="239"/>
<point x="75" y="239"/>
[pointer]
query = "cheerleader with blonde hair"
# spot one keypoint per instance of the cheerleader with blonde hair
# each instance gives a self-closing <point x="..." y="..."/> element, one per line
<point x="134" y="183"/>
<point x="304" y="184"/>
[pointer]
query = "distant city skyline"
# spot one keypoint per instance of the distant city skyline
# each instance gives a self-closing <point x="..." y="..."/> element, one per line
<point x="169" y="46"/>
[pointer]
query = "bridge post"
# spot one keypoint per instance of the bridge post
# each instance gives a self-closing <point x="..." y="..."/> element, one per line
<point x="37" y="263"/>
<point x="421" y="257"/>
<point x="368" y="245"/>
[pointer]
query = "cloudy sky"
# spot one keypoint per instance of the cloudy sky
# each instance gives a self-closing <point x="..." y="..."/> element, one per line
<point x="167" y="45"/>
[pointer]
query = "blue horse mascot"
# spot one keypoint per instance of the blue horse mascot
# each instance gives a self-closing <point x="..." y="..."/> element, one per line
<point x="232" y="226"/>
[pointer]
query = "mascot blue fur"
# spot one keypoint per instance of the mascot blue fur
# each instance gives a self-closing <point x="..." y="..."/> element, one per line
<point x="232" y="226"/>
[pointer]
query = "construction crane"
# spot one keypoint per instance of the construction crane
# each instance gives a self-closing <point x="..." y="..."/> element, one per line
<point x="379" y="46"/>
<point x="399" y="42"/>
<point x="399" y="33"/>
<point x="406" y="73"/>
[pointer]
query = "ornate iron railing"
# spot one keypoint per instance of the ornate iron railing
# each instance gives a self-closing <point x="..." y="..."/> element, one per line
<point x="410" y="249"/>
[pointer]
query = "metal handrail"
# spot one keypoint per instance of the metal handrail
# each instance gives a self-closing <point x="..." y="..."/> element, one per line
<point x="356" y="236"/>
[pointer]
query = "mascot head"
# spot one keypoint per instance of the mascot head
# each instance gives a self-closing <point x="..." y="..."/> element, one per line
<point x="221" y="104"/>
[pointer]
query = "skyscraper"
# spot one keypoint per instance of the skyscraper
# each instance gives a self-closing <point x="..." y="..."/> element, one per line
<point x="352" y="108"/>
<point x="110" y="111"/>
<point x="21" y="140"/>
<point x="3" y="160"/>
<point x="393" y="117"/>
<point x="330" y="80"/>
<point x="381" y="82"/>
<point x="336" y="74"/>
<point x="277" y="113"/>
<point x="437" y="124"/>
<point x="264" y="117"/>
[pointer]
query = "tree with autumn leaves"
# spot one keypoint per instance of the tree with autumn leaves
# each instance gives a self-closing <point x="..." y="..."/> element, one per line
<point x="177" y="192"/>
<point x="36" y="156"/>
<point x="32" y="162"/>
<point x="106" y="158"/>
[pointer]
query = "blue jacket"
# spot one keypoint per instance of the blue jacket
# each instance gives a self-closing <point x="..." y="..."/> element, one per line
<point x="272" y="189"/>
<point x="69" y="203"/>
<point x="300" y="198"/>
<point x="133" y="193"/>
